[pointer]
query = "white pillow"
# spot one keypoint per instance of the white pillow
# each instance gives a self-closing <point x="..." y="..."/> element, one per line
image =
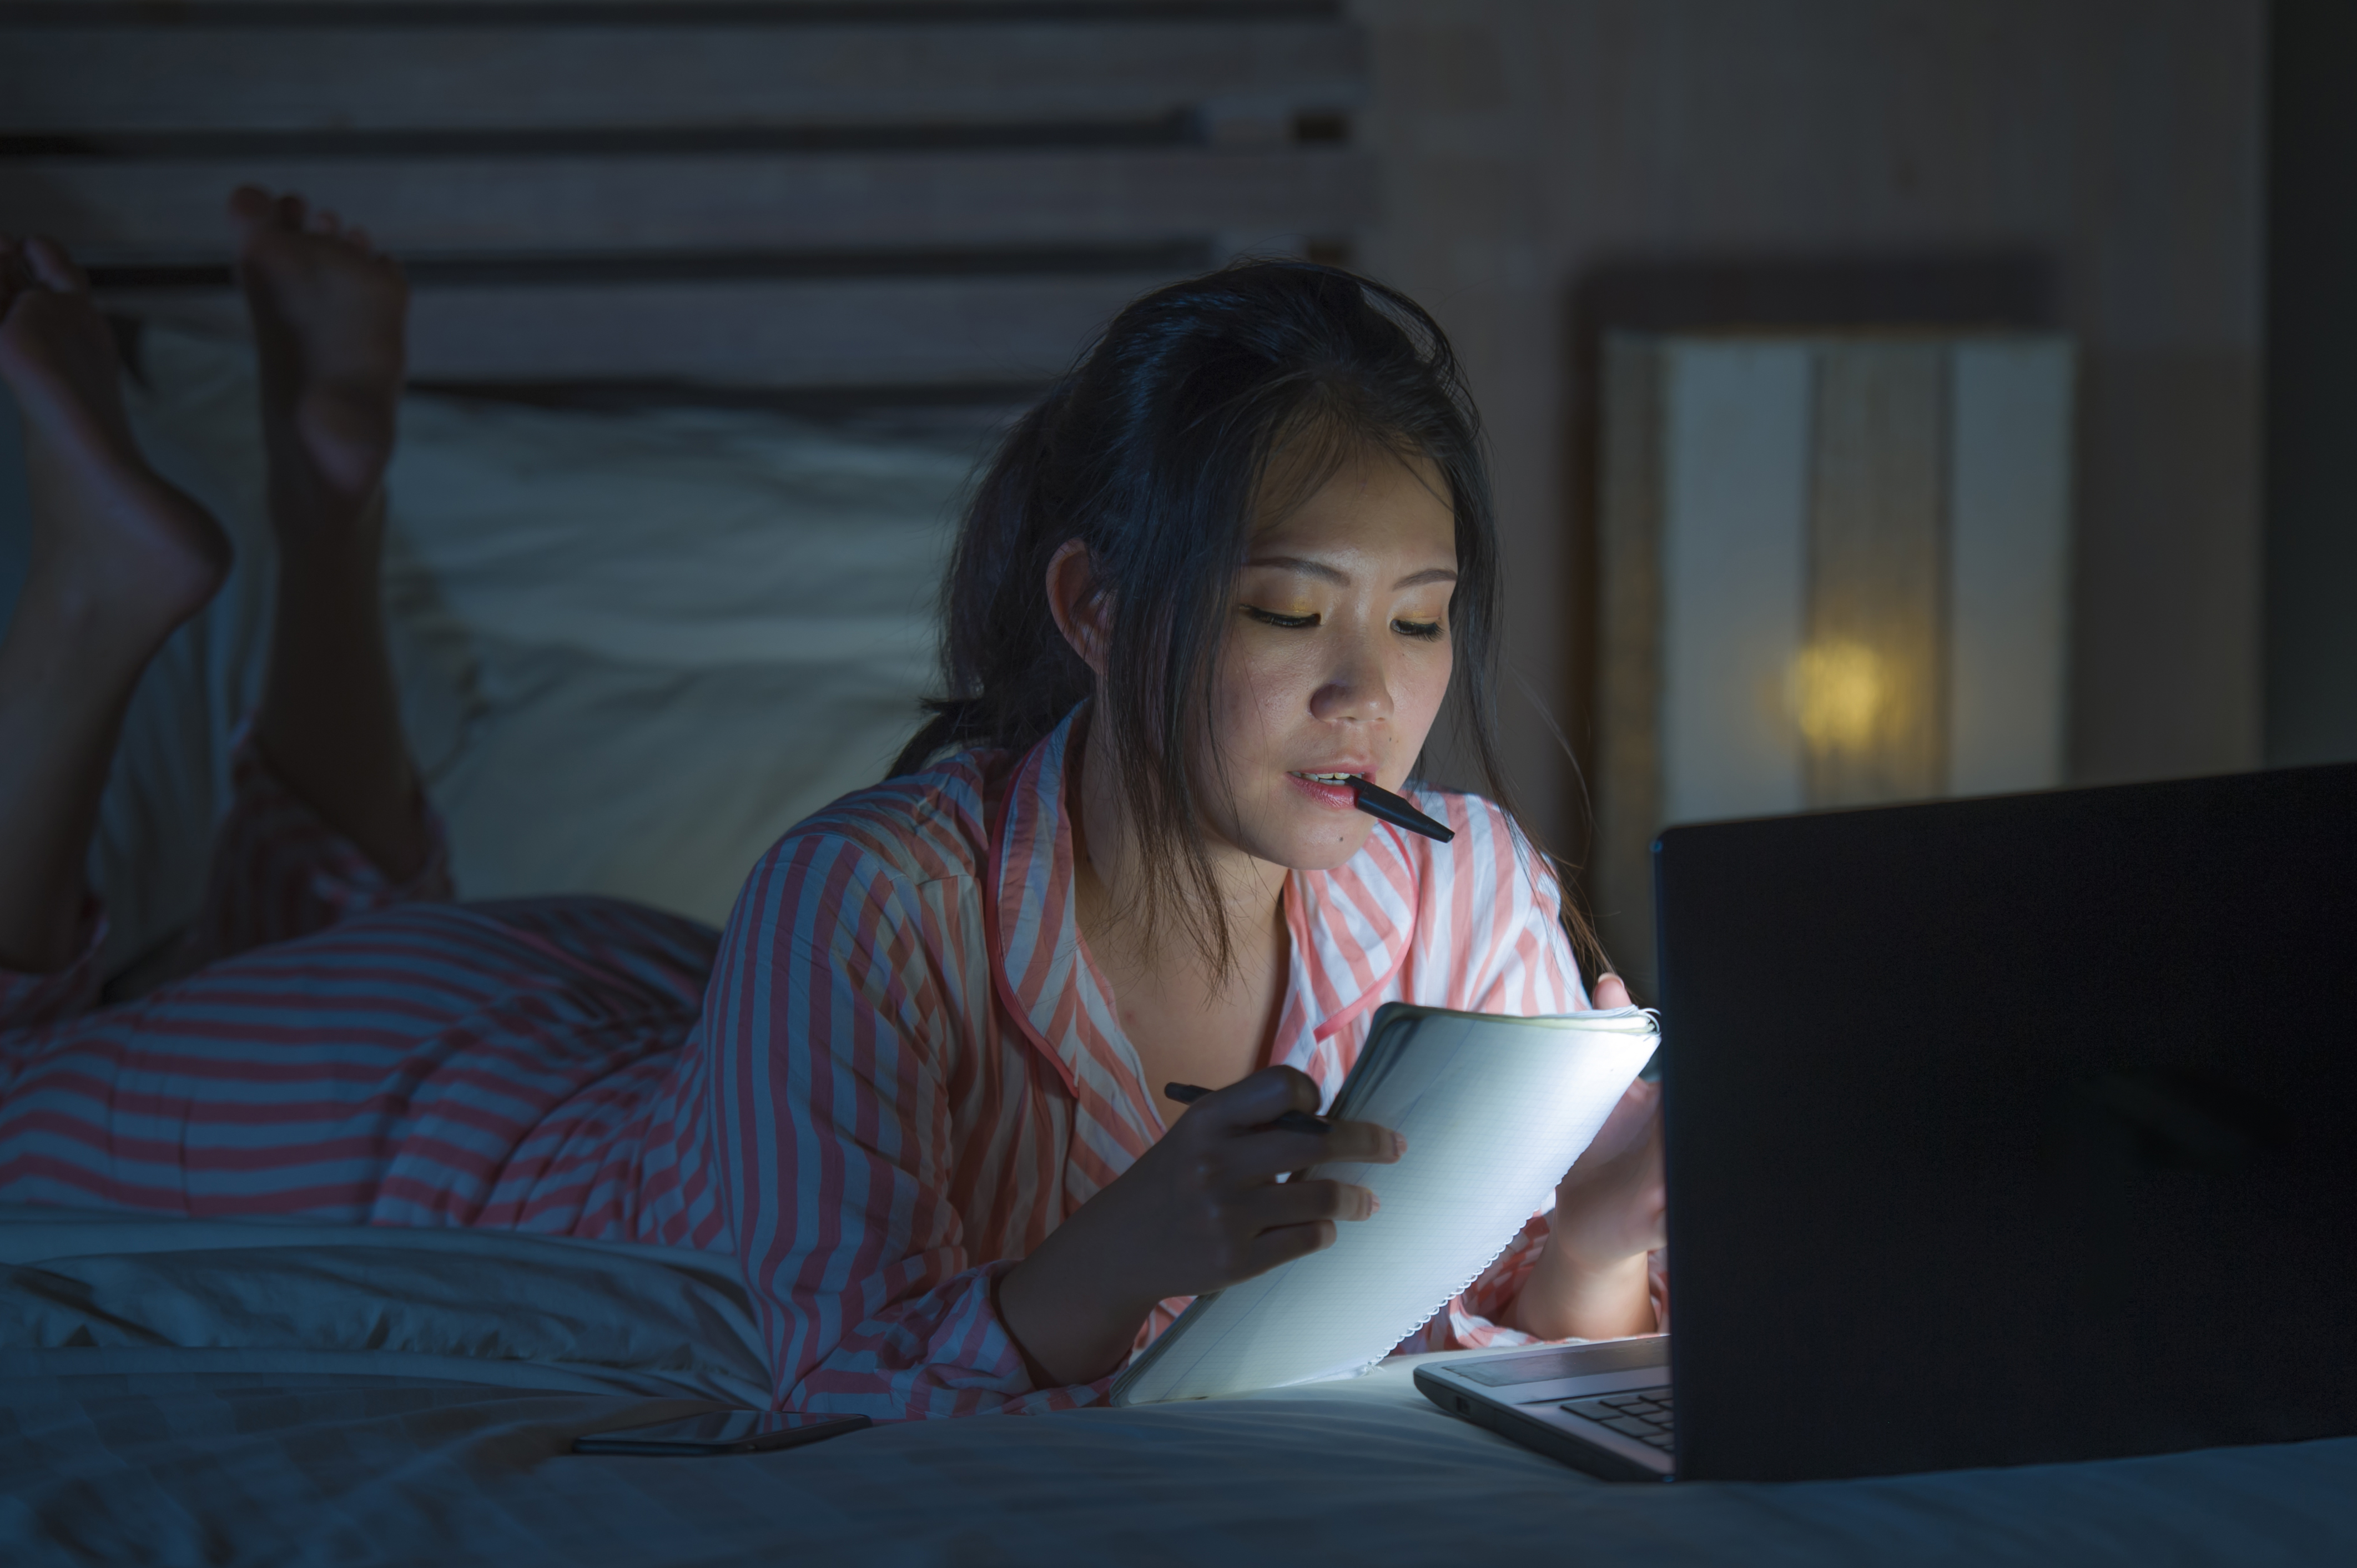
<point x="633" y="649"/>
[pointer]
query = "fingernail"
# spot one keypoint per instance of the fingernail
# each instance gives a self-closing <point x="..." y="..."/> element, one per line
<point x="1399" y="1144"/>
<point x="1374" y="1205"/>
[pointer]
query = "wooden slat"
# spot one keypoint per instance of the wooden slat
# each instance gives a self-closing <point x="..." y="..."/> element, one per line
<point x="902" y="332"/>
<point x="1628" y="560"/>
<point x="665" y="13"/>
<point x="1878" y="571"/>
<point x="121" y="210"/>
<point x="2010" y="547"/>
<point x="191" y="76"/>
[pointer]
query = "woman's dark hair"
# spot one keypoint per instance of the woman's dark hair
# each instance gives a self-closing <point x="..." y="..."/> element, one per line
<point x="1156" y="452"/>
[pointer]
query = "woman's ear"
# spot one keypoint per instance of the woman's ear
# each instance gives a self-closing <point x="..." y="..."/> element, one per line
<point x="1081" y="611"/>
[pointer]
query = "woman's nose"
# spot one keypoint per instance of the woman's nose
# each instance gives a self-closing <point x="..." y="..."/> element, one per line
<point x="1355" y="688"/>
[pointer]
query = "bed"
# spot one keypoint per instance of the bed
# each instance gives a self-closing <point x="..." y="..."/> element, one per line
<point x="717" y="307"/>
<point x="187" y="1392"/>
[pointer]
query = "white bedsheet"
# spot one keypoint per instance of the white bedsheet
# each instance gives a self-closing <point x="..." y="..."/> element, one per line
<point x="175" y="1392"/>
<point x="633" y="649"/>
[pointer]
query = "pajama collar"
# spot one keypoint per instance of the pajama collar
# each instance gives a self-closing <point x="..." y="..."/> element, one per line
<point x="1352" y="929"/>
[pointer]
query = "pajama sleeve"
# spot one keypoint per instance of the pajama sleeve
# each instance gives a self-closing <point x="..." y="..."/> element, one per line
<point x="831" y="1024"/>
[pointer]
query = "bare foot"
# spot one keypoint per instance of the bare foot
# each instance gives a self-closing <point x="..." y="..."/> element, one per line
<point x="119" y="555"/>
<point x="329" y="314"/>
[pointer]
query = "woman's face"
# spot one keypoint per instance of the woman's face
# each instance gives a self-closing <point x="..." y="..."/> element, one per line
<point x="1335" y="661"/>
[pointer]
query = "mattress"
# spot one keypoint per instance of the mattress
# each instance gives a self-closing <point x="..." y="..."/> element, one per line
<point x="183" y="1392"/>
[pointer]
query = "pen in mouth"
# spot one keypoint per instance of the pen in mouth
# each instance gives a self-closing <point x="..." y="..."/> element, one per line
<point x="1384" y="806"/>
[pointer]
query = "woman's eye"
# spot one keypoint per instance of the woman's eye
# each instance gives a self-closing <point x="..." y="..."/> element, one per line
<point x="1426" y="630"/>
<point x="1290" y="623"/>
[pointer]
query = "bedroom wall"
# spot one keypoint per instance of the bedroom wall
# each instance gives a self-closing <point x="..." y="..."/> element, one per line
<point x="2311" y="485"/>
<point x="2095" y="167"/>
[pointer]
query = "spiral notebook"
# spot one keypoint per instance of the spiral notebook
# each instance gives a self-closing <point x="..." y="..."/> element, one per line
<point x="1495" y="1110"/>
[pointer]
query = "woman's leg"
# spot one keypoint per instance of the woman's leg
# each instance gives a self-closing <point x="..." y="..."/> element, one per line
<point x="119" y="559"/>
<point x="328" y="316"/>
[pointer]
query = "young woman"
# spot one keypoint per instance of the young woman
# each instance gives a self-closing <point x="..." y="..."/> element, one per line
<point x="1242" y="551"/>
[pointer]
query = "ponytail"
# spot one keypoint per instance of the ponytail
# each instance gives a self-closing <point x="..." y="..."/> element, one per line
<point x="1009" y="675"/>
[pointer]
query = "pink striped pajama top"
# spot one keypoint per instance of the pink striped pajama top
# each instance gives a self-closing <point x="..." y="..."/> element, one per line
<point x="895" y="1075"/>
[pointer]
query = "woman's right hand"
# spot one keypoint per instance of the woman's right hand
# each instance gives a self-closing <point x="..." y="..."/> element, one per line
<point x="1200" y="1210"/>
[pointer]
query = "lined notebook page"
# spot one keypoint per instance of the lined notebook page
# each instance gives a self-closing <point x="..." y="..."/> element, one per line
<point x="1495" y="1110"/>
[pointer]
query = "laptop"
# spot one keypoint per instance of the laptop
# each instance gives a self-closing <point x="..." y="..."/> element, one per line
<point x="1999" y="1132"/>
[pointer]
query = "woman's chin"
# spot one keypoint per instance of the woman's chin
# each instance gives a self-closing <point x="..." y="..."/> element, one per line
<point x="1318" y="846"/>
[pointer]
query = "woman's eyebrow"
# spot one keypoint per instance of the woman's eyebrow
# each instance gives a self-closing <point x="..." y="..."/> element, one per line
<point x="1309" y="568"/>
<point x="1332" y="574"/>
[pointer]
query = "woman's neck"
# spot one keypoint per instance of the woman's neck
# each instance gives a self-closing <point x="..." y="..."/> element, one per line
<point x="1113" y="910"/>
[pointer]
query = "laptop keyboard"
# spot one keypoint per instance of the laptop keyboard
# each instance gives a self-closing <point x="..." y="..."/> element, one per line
<point x="1642" y="1414"/>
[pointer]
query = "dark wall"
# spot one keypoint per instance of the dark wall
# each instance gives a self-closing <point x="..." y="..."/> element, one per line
<point x="2095" y="166"/>
<point x="2312" y="443"/>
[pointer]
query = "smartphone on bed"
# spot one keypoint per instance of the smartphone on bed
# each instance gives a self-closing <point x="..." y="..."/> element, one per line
<point x="721" y="1431"/>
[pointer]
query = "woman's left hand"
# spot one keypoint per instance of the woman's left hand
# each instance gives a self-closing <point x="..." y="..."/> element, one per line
<point x="1611" y="1204"/>
<point x="1611" y="1211"/>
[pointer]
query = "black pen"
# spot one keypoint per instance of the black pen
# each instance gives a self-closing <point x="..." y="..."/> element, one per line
<point x="1383" y="806"/>
<point x="1292" y="1120"/>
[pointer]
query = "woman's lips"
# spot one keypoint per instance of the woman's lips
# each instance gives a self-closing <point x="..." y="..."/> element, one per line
<point x="1337" y="796"/>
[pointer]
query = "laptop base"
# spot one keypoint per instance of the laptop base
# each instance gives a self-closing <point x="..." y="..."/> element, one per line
<point x="1521" y="1394"/>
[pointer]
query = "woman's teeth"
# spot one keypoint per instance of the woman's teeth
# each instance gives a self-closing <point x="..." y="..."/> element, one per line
<point x="1328" y="778"/>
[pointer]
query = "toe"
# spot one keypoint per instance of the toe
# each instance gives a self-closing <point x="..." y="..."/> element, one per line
<point x="250" y="207"/>
<point x="325" y="223"/>
<point x="357" y="237"/>
<point x="291" y="211"/>
<point x="54" y="267"/>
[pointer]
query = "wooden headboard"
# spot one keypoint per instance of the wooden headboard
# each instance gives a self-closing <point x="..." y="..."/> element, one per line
<point x="864" y="200"/>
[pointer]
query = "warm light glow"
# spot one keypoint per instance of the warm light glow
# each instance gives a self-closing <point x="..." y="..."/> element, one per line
<point x="1840" y="694"/>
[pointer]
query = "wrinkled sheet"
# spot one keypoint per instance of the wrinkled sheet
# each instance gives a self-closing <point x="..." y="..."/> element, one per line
<point x="180" y="1392"/>
<point x="131" y="1295"/>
